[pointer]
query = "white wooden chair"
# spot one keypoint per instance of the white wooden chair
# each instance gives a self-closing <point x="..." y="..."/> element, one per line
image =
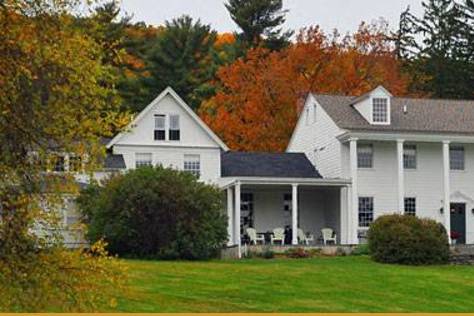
<point x="254" y="237"/>
<point x="305" y="238"/>
<point x="328" y="235"/>
<point x="278" y="235"/>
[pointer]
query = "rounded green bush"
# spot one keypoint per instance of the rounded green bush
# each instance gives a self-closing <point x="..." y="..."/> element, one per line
<point x="406" y="239"/>
<point x="156" y="213"/>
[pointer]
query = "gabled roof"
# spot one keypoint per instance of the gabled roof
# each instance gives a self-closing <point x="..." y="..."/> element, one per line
<point x="113" y="161"/>
<point x="281" y="165"/>
<point x="422" y="115"/>
<point x="185" y="107"/>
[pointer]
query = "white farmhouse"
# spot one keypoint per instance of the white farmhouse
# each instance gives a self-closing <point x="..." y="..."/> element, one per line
<point x="404" y="155"/>
<point x="350" y="159"/>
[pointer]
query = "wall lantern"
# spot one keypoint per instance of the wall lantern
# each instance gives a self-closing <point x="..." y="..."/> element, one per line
<point x="441" y="210"/>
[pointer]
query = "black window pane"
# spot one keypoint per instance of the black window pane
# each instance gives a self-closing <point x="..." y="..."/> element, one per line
<point x="174" y="134"/>
<point x="159" y="135"/>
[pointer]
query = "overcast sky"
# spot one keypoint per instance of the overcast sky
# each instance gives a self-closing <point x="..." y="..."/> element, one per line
<point x="345" y="15"/>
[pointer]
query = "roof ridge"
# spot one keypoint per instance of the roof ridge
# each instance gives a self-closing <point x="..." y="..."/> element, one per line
<point x="435" y="99"/>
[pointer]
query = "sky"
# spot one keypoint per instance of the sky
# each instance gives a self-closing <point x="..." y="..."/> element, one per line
<point x="345" y="15"/>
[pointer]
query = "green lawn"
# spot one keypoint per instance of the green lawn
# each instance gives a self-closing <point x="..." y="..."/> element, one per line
<point x="336" y="284"/>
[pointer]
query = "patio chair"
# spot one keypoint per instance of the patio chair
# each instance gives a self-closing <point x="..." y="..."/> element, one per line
<point x="305" y="238"/>
<point x="328" y="235"/>
<point x="254" y="237"/>
<point x="278" y="235"/>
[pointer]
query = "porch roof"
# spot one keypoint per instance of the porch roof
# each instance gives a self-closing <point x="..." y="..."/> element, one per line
<point x="226" y="182"/>
<point x="280" y="165"/>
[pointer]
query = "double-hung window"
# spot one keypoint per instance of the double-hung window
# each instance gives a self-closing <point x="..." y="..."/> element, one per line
<point x="174" y="127"/>
<point x="410" y="206"/>
<point x="409" y="156"/>
<point x="456" y="157"/>
<point x="366" y="211"/>
<point x="365" y="155"/>
<point x="143" y="159"/>
<point x="192" y="164"/>
<point x="380" y="110"/>
<point x="160" y="130"/>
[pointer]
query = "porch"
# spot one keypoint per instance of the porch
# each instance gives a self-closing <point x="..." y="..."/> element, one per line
<point x="268" y="204"/>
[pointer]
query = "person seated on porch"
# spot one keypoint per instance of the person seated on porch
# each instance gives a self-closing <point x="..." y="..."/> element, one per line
<point x="254" y="237"/>
<point x="303" y="238"/>
<point x="328" y="234"/>
<point x="278" y="235"/>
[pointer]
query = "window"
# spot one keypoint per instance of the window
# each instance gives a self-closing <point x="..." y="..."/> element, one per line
<point x="159" y="127"/>
<point x="365" y="156"/>
<point x="174" y="127"/>
<point x="142" y="159"/>
<point x="456" y="157"/>
<point x="366" y="211"/>
<point x="192" y="164"/>
<point x="287" y="206"/>
<point x="410" y="206"/>
<point x="409" y="156"/>
<point x="379" y="110"/>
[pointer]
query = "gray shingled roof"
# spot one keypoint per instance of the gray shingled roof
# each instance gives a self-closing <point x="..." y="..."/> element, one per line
<point x="423" y="115"/>
<point x="114" y="161"/>
<point x="251" y="164"/>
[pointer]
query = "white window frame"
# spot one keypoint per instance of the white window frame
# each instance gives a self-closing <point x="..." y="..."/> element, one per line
<point x="141" y="162"/>
<point x="192" y="164"/>
<point x="360" y="148"/>
<point x="365" y="217"/>
<point x="454" y="163"/>
<point x="409" y="205"/>
<point x="410" y="161"/>
<point x="158" y="128"/>
<point x="174" y="128"/>
<point x="378" y="116"/>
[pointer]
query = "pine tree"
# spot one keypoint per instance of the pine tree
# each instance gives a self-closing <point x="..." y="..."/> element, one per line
<point x="181" y="58"/>
<point x="259" y="21"/>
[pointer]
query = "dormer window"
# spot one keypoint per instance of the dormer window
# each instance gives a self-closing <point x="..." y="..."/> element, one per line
<point x="174" y="127"/>
<point x="380" y="110"/>
<point x="160" y="133"/>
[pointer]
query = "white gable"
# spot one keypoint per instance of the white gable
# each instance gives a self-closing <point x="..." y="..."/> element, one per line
<point x="364" y="104"/>
<point x="193" y="131"/>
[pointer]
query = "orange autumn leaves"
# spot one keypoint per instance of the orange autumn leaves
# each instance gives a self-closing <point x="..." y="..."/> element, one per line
<point x="259" y="96"/>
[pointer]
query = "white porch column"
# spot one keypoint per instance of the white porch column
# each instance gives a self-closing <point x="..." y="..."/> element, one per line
<point x="447" y="189"/>
<point x="237" y="215"/>
<point x="294" y="214"/>
<point x="344" y="209"/>
<point x="400" y="178"/>
<point x="230" y="216"/>
<point x="354" y="211"/>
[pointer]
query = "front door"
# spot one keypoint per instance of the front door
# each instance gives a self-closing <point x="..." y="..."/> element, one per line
<point x="458" y="222"/>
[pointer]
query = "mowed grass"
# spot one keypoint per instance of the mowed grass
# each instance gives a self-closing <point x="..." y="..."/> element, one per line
<point x="328" y="284"/>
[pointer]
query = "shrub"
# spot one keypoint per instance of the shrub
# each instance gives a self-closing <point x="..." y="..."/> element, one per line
<point x="297" y="253"/>
<point x="407" y="239"/>
<point x="267" y="254"/>
<point x="156" y="213"/>
<point x="361" y="250"/>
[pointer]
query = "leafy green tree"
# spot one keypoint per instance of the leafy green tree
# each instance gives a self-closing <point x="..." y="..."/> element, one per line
<point x="52" y="97"/>
<point x="260" y="22"/>
<point x="181" y="57"/>
<point x="156" y="213"/>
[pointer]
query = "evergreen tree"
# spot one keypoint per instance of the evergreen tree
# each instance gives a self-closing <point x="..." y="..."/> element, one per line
<point x="259" y="21"/>
<point x="181" y="58"/>
<point x="441" y="61"/>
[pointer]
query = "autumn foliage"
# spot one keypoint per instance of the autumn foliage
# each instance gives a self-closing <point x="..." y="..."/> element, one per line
<point x="259" y="96"/>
